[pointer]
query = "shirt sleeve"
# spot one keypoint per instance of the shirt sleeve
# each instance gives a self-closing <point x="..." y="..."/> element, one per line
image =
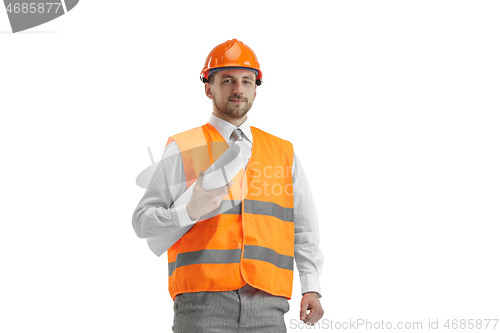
<point x="308" y="256"/>
<point x="153" y="215"/>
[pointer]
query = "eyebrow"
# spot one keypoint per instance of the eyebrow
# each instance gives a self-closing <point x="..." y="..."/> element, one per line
<point x="232" y="77"/>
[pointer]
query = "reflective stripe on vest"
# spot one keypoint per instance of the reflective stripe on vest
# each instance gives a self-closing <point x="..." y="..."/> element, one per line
<point x="252" y="207"/>
<point x="231" y="256"/>
<point x="251" y="251"/>
<point x="269" y="209"/>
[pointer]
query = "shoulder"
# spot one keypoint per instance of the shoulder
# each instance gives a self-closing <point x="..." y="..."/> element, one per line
<point x="187" y="132"/>
<point x="191" y="137"/>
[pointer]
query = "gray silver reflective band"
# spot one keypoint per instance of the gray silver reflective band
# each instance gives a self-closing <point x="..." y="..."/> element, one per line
<point x="231" y="257"/>
<point x="252" y="207"/>
<point x="268" y="255"/>
<point x="269" y="209"/>
<point x="205" y="257"/>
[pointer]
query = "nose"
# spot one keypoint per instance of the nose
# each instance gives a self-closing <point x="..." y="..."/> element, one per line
<point x="237" y="90"/>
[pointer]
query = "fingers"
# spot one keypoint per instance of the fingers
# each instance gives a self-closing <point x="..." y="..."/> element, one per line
<point x="314" y="316"/>
<point x="200" y="177"/>
<point x="223" y="191"/>
<point x="303" y="310"/>
<point x="199" y="180"/>
<point x="203" y="201"/>
<point x="316" y="310"/>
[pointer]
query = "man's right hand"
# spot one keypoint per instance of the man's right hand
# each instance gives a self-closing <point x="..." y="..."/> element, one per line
<point x="203" y="202"/>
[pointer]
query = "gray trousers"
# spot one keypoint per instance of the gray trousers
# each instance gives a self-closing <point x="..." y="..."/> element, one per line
<point x="246" y="310"/>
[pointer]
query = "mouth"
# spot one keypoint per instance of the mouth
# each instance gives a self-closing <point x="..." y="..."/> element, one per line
<point x="237" y="101"/>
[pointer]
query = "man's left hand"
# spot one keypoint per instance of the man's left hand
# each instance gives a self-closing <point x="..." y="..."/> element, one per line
<point x="310" y="301"/>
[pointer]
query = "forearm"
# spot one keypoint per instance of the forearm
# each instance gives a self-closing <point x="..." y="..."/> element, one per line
<point x="309" y="259"/>
<point x="308" y="256"/>
<point x="150" y="221"/>
<point x="155" y="214"/>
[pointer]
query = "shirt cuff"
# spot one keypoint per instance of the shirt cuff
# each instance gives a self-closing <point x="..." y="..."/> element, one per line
<point x="181" y="217"/>
<point x="310" y="283"/>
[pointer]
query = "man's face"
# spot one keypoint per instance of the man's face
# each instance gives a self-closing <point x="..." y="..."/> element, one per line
<point x="233" y="92"/>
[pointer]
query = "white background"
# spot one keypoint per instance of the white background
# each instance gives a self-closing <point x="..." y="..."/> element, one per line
<point x="392" y="106"/>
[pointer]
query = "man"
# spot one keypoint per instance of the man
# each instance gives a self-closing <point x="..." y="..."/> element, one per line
<point x="233" y="270"/>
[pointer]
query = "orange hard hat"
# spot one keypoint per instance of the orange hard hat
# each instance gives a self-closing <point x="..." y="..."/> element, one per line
<point x="229" y="55"/>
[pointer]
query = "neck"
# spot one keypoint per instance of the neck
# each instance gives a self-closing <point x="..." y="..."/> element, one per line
<point x="235" y="121"/>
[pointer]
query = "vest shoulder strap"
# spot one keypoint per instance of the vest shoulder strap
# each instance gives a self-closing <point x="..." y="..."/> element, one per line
<point x="263" y="135"/>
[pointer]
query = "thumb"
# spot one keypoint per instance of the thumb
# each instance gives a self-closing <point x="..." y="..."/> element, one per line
<point x="225" y="189"/>
<point x="303" y="310"/>
<point x="201" y="175"/>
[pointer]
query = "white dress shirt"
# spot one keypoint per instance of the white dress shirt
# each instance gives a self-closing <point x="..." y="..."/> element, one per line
<point x="153" y="215"/>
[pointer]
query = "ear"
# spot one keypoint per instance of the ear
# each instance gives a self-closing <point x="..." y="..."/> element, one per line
<point x="208" y="91"/>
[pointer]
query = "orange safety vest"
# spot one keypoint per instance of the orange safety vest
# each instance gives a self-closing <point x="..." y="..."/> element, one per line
<point x="252" y="239"/>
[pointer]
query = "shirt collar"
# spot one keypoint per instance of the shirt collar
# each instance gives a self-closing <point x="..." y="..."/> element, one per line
<point x="225" y="128"/>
